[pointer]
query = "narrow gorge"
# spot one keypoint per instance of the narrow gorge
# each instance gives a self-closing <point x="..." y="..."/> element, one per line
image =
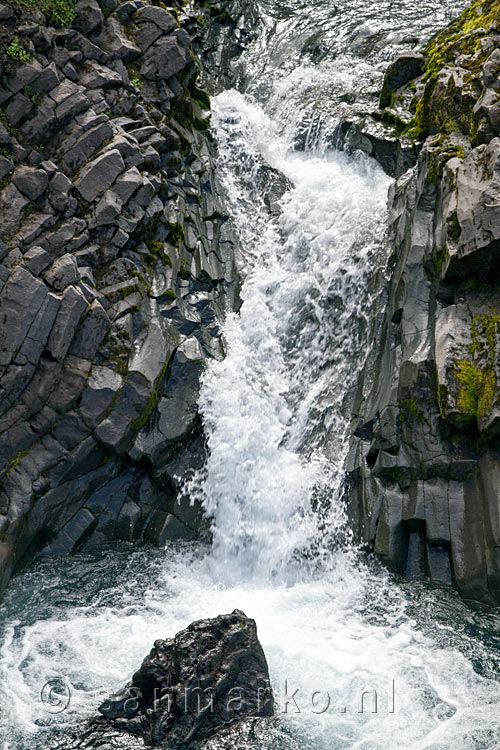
<point x="249" y="327"/>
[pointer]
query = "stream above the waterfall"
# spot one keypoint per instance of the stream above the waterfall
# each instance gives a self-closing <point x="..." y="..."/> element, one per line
<point x="333" y="623"/>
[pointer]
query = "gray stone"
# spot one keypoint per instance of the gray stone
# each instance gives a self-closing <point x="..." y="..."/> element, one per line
<point x="108" y="209"/>
<point x="71" y="106"/>
<point x="87" y="145"/>
<point x="47" y="80"/>
<point x="114" y="40"/>
<point x="38" y="129"/>
<point x="128" y="522"/>
<point x="125" y="10"/>
<point x="127" y="184"/>
<point x="404" y="69"/>
<point x="38" y="334"/>
<point x="222" y="656"/>
<point x="5" y="139"/>
<point x="30" y="181"/>
<point x="164" y="59"/>
<point x="70" y="431"/>
<point x="102" y="387"/>
<point x="5" y="12"/>
<point x="15" y="314"/>
<point x="59" y="189"/>
<point x="155" y="349"/>
<point x="153" y="14"/>
<point x="74" y="535"/>
<point x="146" y="35"/>
<point x="438" y="561"/>
<point x="6" y="166"/>
<point x="164" y="527"/>
<point x="89" y="16"/>
<point x="391" y="541"/>
<point x="96" y="76"/>
<point x="24" y="76"/>
<point x="73" y="306"/>
<point x="63" y="272"/>
<point x="18" y="108"/>
<point x="99" y="175"/>
<point x="37" y="260"/>
<point x="436" y="511"/>
<point x="91" y="332"/>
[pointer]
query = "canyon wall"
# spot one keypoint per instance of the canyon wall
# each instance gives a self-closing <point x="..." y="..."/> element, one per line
<point x="117" y="265"/>
<point x="424" y="466"/>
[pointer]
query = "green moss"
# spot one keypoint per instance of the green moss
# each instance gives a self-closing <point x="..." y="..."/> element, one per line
<point x="442" y="398"/>
<point x="184" y="272"/>
<point x="477" y="379"/>
<point x="201" y="123"/>
<point x="462" y="37"/>
<point x="148" y="410"/>
<point x="57" y="12"/>
<point x="17" y="52"/>
<point x="439" y="156"/>
<point x="410" y="411"/>
<point x="201" y="98"/>
<point x="170" y="294"/>
<point x="484" y="332"/>
<point x="453" y="227"/>
<point x="390" y="118"/>
<point x="477" y="388"/>
<point x="438" y="259"/>
<point x="176" y="232"/>
<point x="137" y="82"/>
<point x="155" y="247"/>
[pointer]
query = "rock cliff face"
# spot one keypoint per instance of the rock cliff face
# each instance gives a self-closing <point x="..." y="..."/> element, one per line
<point x="117" y="265"/>
<point x="424" y="466"/>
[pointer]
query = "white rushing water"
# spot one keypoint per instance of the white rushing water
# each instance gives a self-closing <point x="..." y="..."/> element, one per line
<point x="333" y="627"/>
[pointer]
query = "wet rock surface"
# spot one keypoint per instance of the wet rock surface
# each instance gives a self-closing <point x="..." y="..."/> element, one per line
<point x="211" y="676"/>
<point x="425" y="451"/>
<point x="117" y="264"/>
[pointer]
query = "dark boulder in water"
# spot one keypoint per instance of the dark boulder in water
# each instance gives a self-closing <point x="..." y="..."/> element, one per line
<point x="207" y="678"/>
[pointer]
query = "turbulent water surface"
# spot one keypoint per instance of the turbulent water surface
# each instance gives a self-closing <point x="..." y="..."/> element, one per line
<point x="334" y="626"/>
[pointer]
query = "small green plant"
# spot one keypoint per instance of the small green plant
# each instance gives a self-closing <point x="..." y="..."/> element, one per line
<point x="17" y="52"/>
<point x="137" y="82"/>
<point x="59" y="12"/>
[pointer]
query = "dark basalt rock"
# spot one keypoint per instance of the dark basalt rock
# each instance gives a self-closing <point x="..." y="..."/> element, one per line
<point x="424" y="462"/>
<point x="209" y="677"/>
<point x="404" y="69"/>
<point x="114" y="230"/>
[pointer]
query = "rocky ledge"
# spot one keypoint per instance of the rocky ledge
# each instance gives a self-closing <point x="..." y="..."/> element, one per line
<point x="211" y="676"/>
<point x="424" y="466"/>
<point x="117" y="265"/>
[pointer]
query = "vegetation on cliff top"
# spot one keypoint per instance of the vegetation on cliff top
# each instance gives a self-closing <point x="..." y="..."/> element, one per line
<point x="57" y="12"/>
<point x="461" y="38"/>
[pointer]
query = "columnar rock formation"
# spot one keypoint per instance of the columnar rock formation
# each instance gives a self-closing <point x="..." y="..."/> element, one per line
<point x="116" y="268"/>
<point x="424" y="465"/>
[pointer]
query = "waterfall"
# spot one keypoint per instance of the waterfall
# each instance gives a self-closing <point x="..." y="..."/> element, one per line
<point x="335" y="627"/>
<point x="273" y="407"/>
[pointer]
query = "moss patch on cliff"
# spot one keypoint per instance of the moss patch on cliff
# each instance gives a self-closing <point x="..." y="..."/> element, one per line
<point x="477" y="388"/>
<point x="477" y="380"/>
<point x="440" y="107"/>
